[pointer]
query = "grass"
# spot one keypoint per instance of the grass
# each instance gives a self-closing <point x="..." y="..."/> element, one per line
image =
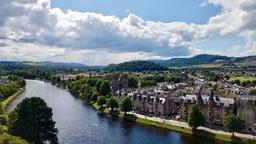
<point x="6" y="138"/>
<point x="6" y="102"/>
<point x="185" y="130"/>
<point x="242" y="78"/>
<point x="214" y="65"/>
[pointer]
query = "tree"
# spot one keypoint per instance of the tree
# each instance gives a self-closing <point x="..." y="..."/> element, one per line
<point x="126" y="105"/>
<point x="195" y="117"/>
<point x="112" y="103"/>
<point x="252" y="92"/>
<point x="98" y="84"/>
<point x="32" y="120"/>
<point x="132" y="82"/>
<point x="233" y="123"/>
<point x="105" y="88"/>
<point x="101" y="101"/>
<point x="1" y="109"/>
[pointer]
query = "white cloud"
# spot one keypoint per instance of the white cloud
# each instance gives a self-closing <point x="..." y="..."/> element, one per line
<point x="32" y="30"/>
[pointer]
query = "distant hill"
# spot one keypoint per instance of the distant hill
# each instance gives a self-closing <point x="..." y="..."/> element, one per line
<point x="10" y="65"/>
<point x="206" y="59"/>
<point x="135" y="66"/>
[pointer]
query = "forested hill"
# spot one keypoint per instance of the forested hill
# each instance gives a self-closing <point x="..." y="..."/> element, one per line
<point x="206" y="59"/>
<point x="21" y="65"/>
<point x="135" y="66"/>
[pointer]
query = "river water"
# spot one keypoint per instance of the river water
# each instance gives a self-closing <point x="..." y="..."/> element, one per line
<point x="80" y="124"/>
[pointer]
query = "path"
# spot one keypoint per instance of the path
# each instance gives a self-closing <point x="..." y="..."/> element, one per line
<point x="184" y="124"/>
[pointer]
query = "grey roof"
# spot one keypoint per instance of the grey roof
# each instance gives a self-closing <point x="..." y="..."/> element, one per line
<point x="225" y="101"/>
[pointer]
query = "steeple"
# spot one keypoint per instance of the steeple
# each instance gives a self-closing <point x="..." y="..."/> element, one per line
<point x="199" y="100"/>
<point x="211" y="99"/>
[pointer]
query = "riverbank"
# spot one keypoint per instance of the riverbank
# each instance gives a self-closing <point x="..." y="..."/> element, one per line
<point x="6" y="102"/>
<point x="175" y="126"/>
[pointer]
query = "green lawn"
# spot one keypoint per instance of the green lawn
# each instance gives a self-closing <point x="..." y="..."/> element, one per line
<point x="242" y="78"/>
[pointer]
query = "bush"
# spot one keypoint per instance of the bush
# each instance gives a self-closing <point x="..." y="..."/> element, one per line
<point x="101" y="101"/>
<point x="3" y="120"/>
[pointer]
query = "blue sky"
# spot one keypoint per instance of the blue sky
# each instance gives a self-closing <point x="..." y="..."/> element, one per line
<point x="100" y="32"/>
<point x="189" y="11"/>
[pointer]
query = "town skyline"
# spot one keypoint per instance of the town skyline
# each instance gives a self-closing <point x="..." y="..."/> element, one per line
<point x="104" y="32"/>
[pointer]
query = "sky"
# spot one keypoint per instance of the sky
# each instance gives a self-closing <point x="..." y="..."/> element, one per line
<point x="100" y="32"/>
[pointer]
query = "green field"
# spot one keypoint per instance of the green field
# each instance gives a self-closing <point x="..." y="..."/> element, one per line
<point x="242" y="78"/>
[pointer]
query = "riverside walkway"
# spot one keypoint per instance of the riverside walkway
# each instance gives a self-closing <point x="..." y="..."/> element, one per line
<point x="185" y="125"/>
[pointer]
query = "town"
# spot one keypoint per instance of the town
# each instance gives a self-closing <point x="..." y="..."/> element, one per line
<point x="172" y="97"/>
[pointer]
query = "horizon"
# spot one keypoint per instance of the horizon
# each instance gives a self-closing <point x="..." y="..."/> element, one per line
<point x="99" y="33"/>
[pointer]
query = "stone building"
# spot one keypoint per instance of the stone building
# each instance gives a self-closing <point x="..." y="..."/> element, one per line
<point x="246" y="109"/>
<point x="213" y="107"/>
<point x="151" y="102"/>
<point x="118" y="82"/>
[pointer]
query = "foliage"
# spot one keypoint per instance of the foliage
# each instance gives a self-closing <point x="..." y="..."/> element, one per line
<point x="196" y="60"/>
<point x="1" y="109"/>
<point x="135" y="66"/>
<point x="252" y="92"/>
<point x="105" y="88"/>
<point x="145" y="83"/>
<point x="6" y="138"/>
<point x="101" y="101"/>
<point x="233" y="123"/>
<point x="3" y="119"/>
<point x="132" y="82"/>
<point x="98" y="84"/>
<point x="195" y="117"/>
<point x="126" y="105"/>
<point x="173" y="78"/>
<point x="32" y="120"/>
<point x="8" y="89"/>
<point x="112" y="103"/>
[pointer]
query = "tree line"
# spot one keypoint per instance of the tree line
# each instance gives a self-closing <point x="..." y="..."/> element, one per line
<point x="10" y="88"/>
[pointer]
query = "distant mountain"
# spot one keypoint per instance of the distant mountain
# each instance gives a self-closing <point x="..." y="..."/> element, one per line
<point x="10" y="65"/>
<point x="135" y="66"/>
<point x="205" y="59"/>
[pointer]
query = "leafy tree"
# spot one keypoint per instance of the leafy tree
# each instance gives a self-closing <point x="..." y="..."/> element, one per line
<point x="93" y="98"/>
<point x="233" y="123"/>
<point x="195" y="117"/>
<point x="75" y="87"/>
<point x="32" y="120"/>
<point x="126" y="105"/>
<point x="132" y="82"/>
<point x="237" y="81"/>
<point x="105" y="88"/>
<point x="1" y="109"/>
<point x="252" y="92"/>
<point x="3" y="120"/>
<point x="227" y="77"/>
<point x="112" y="103"/>
<point x="98" y="84"/>
<point x="101" y="101"/>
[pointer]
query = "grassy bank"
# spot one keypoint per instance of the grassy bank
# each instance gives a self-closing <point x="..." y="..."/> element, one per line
<point x="198" y="133"/>
<point x="6" y="102"/>
<point x="6" y="138"/>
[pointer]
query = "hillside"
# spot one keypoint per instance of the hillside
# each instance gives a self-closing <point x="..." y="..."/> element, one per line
<point x="135" y="66"/>
<point x="207" y="59"/>
<point x="9" y="65"/>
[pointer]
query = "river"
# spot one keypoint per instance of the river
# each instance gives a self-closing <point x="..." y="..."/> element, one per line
<point x="78" y="123"/>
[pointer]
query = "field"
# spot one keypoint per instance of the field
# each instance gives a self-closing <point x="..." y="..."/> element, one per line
<point x="242" y="78"/>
